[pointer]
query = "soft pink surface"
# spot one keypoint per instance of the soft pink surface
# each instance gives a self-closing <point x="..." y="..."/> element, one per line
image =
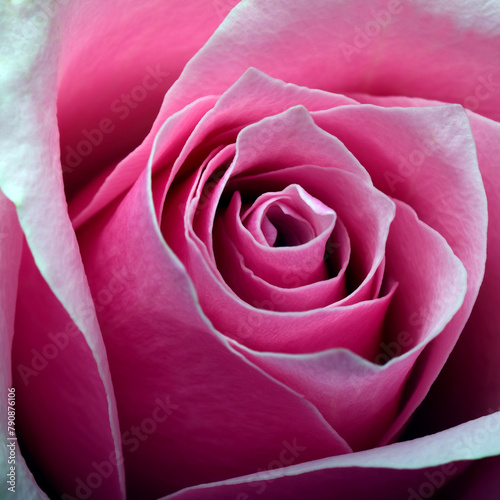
<point x="171" y="345"/>
<point x="231" y="417"/>
<point x="55" y="372"/>
<point x="10" y="250"/>
<point x="471" y="373"/>
<point x="117" y="61"/>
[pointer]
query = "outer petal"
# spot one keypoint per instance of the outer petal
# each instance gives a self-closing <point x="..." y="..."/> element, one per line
<point x="61" y="400"/>
<point x="470" y="383"/>
<point x="433" y="168"/>
<point x="30" y="177"/>
<point x="453" y="46"/>
<point x="10" y="257"/>
<point x="410" y="470"/>
<point x="462" y="37"/>
<point x="118" y="58"/>
<point x="468" y="386"/>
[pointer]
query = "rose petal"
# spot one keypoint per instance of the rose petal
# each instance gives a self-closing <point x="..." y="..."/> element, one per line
<point x="177" y="129"/>
<point x="272" y="262"/>
<point x="470" y="373"/>
<point x="160" y="345"/>
<point x="53" y="363"/>
<point x="35" y="186"/>
<point x="360" y="400"/>
<point x="295" y="132"/>
<point x="117" y="61"/>
<point x="233" y="267"/>
<point x="252" y="98"/>
<point x="432" y="166"/>
<point x="10" y="249"/>
<point x="401" y="470"/>
<point x="356" y="50"/>
<point x="473" y="372"/>
<point x="469" y="385"/>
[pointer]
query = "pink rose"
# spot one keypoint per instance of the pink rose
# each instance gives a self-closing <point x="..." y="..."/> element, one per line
<point x="281" y="281"/>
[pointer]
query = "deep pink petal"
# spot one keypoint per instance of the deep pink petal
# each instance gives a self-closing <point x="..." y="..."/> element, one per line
<point x="10" y="250"/>
<point x="478" y="481"/>
<point x="55" y="372"/>
<point x="410" y="470"/>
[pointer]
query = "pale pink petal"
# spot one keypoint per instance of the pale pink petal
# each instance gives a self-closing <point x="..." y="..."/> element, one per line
<point x="469" y="385"/>
<point x="225" y="416"/>
<point x="35" y="186"/>
<point x="427" y="158"/>
<point x="360" y="400"/>
<point x="481" y="387"/>
<point x="344" y="46"/>
<point x="471" y="368"/>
